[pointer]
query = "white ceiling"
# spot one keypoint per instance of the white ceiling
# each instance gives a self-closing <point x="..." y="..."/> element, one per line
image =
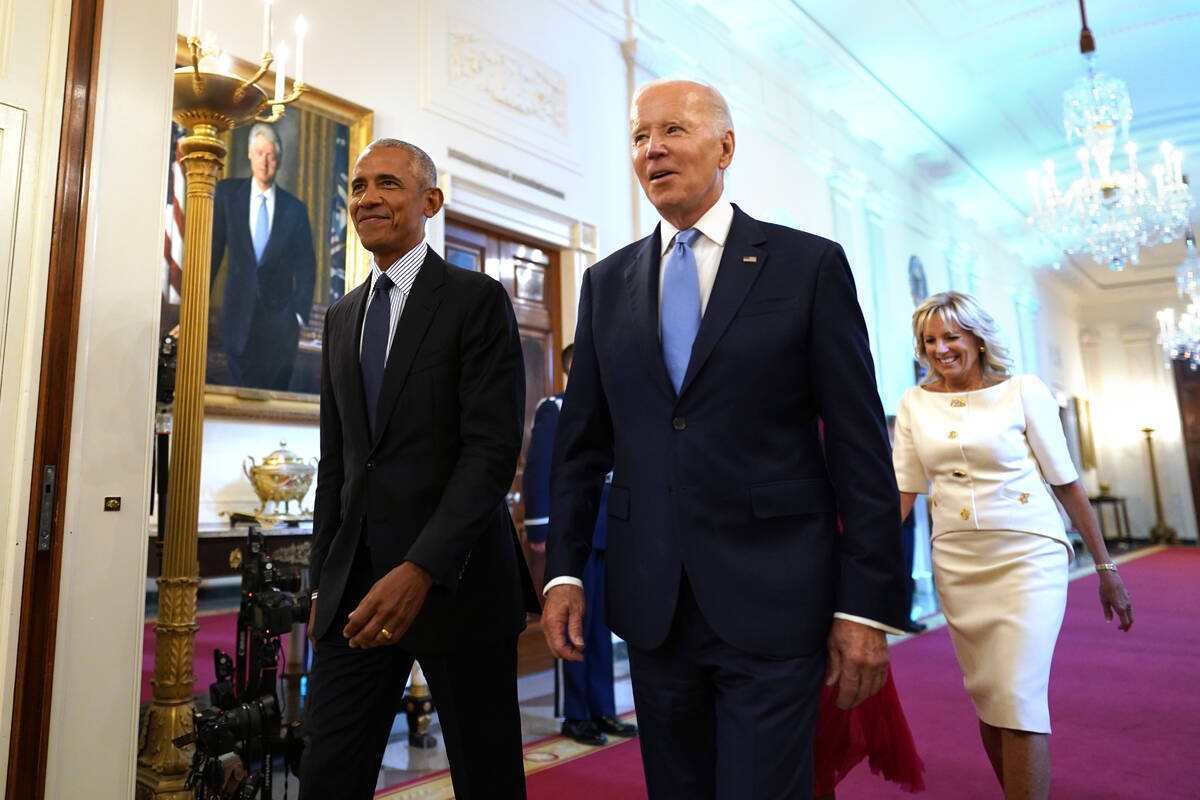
<point x="979" y="84"/>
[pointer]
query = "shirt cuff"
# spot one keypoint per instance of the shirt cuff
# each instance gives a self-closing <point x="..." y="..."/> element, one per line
<point x="870" y="623"/>
<point x="562" y="580"/>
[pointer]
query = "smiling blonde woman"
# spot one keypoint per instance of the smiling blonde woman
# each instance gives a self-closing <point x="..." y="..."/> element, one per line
<point x="988" y="448"/>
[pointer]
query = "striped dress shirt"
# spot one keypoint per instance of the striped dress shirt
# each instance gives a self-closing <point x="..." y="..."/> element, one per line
<point x="403" y="272"/>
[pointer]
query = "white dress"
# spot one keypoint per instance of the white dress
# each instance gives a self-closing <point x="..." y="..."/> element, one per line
<point x="1000" y="550"/>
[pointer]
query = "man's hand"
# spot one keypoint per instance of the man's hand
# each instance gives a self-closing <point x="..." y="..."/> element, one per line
<point x="388" y="610"/>
<point x="858" y="661"/>
<point x="562" y="617"/>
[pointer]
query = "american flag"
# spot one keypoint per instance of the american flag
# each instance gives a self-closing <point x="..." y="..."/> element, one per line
<point x="172" y="287"/>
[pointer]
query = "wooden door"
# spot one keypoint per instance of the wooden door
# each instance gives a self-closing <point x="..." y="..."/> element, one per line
<point x="1187" y="389"/>
<point x="529" y="271"/>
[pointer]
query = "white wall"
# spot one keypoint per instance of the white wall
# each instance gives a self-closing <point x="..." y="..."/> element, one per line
<point x="93" y="721"/>
<point x="1131" y="388"/>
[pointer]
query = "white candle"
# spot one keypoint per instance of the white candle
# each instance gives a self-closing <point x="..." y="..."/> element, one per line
<point x="280" y="76"/>
<point x="195" y="18"/>
<point x="266" y="25"/>
<point x="301" y="30"/>
<point x="1052" y="185"/>
<point x="1131" y="150"/>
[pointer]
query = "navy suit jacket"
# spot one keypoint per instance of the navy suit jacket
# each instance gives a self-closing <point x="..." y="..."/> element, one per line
<point x="536" y="479"/>
<point x="283" y="284"/>
<point x="728" y="479"/>
<point x="429" y="486"/>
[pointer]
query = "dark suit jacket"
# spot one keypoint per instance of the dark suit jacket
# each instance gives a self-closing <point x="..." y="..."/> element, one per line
<point x="430" y="486"/>
<point x="536" y="480"/>
<point x="283" y="284"/>
<point x="728" y="480"/>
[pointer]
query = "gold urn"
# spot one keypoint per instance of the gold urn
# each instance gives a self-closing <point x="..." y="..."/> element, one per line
<point x="281" y="478"/>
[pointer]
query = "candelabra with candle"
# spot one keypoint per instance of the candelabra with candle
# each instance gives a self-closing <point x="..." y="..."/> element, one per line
<point x="208" y="101"/>
<point x="1161" y="532"/>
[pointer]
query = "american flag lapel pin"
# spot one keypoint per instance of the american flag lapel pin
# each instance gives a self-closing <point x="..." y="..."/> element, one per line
<point x="749" y="259"/>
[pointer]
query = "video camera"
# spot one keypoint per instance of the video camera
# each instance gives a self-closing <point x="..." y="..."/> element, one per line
<point x="244" y="723"/>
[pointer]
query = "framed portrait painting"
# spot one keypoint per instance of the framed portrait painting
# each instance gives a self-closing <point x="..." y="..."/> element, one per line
<point x="282" y="252"/>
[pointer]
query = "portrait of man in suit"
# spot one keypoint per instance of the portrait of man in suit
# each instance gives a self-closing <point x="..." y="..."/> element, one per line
<point x="705" y="356"/>
<point x="262" y="233"/>
<point x="414" y="553"/>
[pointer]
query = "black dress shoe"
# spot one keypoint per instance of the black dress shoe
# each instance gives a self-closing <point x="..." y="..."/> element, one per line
<point x="614" y="726"/>
<point x="912" y="626"/>
<point x="583" y="731"/>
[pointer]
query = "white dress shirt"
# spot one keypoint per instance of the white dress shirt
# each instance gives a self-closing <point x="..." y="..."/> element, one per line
<point x="402" y="272"/>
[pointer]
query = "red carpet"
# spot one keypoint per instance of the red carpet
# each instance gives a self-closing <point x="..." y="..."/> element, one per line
<point x="612" y="772"/>
<point x="217" y="631"/>
<point x="1125" y="707"/>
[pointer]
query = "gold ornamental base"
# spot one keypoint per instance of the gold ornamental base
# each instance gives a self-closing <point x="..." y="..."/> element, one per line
<point x="1162" y="533"/>
<point x="162" y="767"/>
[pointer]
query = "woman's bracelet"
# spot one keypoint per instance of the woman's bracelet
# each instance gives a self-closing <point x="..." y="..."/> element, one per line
<point x="1109" y="567"/>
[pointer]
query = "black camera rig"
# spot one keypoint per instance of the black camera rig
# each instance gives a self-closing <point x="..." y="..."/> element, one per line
<point x="244" y="722"/>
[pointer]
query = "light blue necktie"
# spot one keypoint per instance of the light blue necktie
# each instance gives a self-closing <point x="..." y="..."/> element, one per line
<point x="262" y="229"/>
<point x="680" y="306"/>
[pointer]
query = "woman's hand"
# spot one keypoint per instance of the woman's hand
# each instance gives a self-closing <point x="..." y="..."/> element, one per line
<point x="1115" y="599"/>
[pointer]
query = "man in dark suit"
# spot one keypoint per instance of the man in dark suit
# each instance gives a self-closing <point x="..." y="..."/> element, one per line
<point x="704" y="356"/>
<point x="588" y="701"/>
<point x="271" y="268"/>
<point x="414" y="553"/>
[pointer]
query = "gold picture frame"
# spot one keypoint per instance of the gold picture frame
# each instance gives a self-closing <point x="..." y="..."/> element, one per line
<point x="314" y="118"/>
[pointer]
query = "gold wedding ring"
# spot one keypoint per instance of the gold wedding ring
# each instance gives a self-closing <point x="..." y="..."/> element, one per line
<point x="385" y="633"/>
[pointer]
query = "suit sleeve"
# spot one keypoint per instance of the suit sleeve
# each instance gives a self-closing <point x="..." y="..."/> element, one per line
<point x="327" y="513"/>
<point x="871" y="574"/>
<point x="491" y="422"/>
<point x="583" y="453"/>
<point x="536" y="486"/>
<point x="304" y="260"/>
<point x="220" y="201"/>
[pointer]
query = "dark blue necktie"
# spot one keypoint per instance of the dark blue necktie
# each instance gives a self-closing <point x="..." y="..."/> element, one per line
<point x="373" y="356"/>
<point x="680" y="306"/>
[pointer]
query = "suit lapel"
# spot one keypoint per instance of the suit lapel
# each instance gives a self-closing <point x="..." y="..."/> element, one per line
<point x="419" y="308"/>
<point x="241" y="237"/>
<point x="641" y="281"/>
<point x="741" y="262"/>
<point x="279" y="223"/>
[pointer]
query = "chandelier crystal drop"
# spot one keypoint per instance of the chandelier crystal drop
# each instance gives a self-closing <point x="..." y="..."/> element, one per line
<point x="1109" y="212"/>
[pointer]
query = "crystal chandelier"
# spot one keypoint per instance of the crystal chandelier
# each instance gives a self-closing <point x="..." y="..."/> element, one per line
<point x="1108" y="213"/>
<point x="1180" y="336"/>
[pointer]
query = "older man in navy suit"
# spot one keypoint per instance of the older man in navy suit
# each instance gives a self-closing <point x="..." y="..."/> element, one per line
<point x="271" y="268"/>
<point x="705" y="354"/>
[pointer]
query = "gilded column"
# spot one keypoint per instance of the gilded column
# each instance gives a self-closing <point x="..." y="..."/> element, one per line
<point x="162" y="767"/>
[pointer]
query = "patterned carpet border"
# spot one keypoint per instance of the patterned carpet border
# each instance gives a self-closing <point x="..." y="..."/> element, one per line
<point x="543" y="754"/>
